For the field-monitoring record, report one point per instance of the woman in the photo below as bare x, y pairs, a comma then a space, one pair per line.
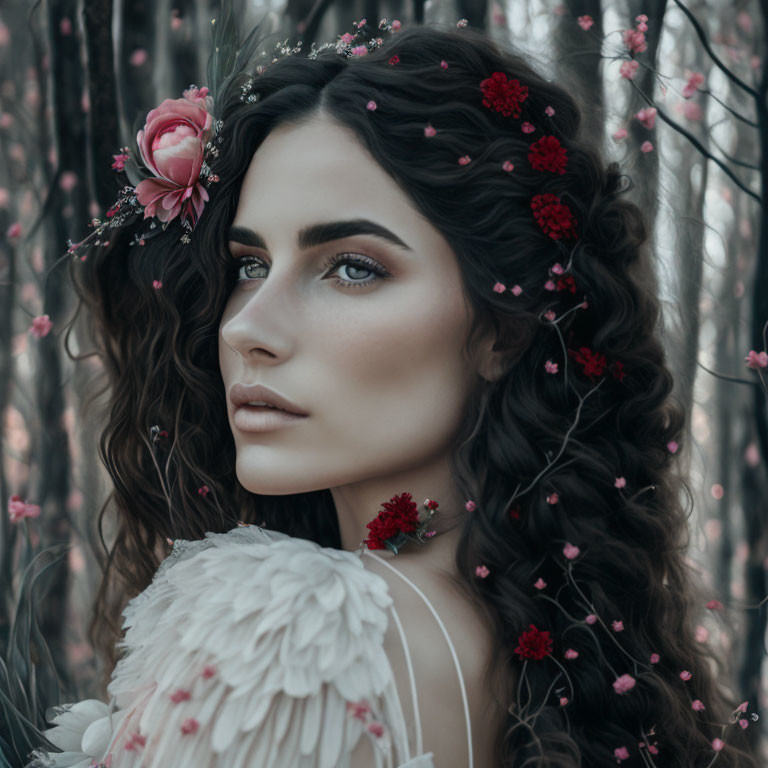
417, 248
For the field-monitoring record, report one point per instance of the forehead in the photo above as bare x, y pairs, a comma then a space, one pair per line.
322, 167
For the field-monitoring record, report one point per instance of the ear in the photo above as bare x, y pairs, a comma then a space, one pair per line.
492, 357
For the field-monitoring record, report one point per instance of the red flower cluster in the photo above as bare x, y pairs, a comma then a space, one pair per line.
554, 218
548, 154
503, 95
594, 363
400, 514
534, 644
566, 283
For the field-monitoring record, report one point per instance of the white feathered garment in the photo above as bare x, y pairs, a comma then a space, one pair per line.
249, 649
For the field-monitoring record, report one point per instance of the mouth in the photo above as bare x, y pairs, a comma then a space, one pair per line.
263, 418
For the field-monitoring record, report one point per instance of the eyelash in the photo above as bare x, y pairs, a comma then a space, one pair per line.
337, 259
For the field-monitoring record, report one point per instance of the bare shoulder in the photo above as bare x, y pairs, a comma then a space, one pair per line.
439, 697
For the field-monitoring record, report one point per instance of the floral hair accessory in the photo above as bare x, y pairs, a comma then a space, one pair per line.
503, 95
399, 518
170, 172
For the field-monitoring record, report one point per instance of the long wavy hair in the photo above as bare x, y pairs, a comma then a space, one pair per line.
539, 453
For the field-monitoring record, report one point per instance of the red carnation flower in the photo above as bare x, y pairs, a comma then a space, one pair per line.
593, 362
400, 514
534, 644
566, 283
547, 154
503, 95
554, 218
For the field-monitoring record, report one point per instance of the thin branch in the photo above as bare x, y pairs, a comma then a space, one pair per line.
722, 376
732, 159
703, 37
743, 119
696, 143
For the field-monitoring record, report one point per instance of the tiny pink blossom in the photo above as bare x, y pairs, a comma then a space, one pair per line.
209, 671
481, 571
717, 744
585, 22
621, 482
507, 166
624, 683
516, 289
138, 57
444, 64
470, 506
655, 658
359, 50
499, 287
550, 315
571, 551
634, 40
743, 706
618, 626
396, 24
157, 284
371, 105
190, 725
590, 618
540, 583
464, 159
14, 230
620, 753
571, 654
743, 723
620, 134
549, 111
41, 326
672, 446
653, 750
692, 111
68, 181
552, 498
563, 701
646, 147
647, 117
18, 509
628, 69
697, 704
376, 728
550, 367
757, 359
180, 695
549, 286
527, 127
429, 131
557, 268
702, 634
203, 491
461, 23
347, 37
685, 675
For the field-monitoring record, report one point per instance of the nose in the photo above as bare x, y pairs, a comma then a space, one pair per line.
261, 319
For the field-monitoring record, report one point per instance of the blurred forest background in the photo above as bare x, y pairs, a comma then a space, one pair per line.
681, 102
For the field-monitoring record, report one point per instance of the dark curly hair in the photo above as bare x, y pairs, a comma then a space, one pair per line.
539, 453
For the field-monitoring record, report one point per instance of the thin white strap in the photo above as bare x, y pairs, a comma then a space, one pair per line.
419, 746
448, 640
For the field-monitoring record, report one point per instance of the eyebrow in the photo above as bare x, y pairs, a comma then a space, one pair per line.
317, 234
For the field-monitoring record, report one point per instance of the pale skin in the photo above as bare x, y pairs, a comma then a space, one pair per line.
379, 367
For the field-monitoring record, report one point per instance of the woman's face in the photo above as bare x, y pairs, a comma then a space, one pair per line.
377, 364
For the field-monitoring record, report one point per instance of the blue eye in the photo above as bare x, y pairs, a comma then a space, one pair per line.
360, 262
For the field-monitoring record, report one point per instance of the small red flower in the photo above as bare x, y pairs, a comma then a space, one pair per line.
394, 60
534, 644
503, 95
593, 362
400, 513
547, 154
554, 218
566, 283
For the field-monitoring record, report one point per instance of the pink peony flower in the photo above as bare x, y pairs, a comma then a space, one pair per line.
481, 571
550, 367
499, 287
371, 105
172, 146
470, 506
359, 50
685, 675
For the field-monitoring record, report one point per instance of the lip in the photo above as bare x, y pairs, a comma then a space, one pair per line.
259, 418
240, 395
